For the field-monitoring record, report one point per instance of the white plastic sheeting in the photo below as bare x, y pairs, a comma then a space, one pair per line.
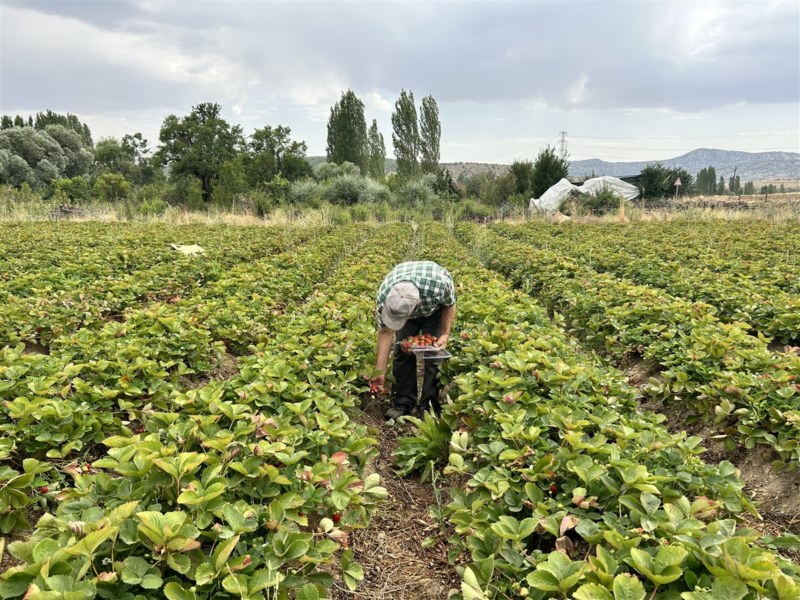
553, 197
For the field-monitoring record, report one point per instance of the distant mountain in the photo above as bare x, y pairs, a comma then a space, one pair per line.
750, 166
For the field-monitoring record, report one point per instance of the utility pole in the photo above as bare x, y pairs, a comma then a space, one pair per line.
562, 145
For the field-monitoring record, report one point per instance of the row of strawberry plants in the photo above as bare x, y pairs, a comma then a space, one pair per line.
718, 368
244, 488
57, 404
764, 251
560, 487
58, 256
55, 309
739, 298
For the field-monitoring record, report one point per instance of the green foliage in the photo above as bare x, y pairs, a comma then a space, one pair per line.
347, 132
416, 192
706, 181
430, 135
657, 181
111, 187
271, 152
152, 207
548, 170
186, 191
199, 144
231, 183
76, 189
344, 189
405, 135
522, 170
599, 202
305, 192
30, 156
376, 152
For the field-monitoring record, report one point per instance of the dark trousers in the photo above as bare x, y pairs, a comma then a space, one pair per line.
404, 367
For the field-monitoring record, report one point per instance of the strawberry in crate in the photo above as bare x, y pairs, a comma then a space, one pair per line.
423, 340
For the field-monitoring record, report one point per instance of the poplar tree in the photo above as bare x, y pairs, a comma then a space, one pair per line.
376, 150
430, 132
347, 132
405, 135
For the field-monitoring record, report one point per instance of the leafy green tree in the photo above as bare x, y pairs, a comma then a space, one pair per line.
734, 185
376, 152
405, 135
548, 169
721, 185
658, 181
199, 144
70, 121
79, 159
33, 156
272, 152
706, 181
444, 186
430, 135
231, 184
749, 188
75, 189
7, 122
522, 170
111, 187
347, 132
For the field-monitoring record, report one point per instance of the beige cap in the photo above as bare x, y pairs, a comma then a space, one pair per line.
403, 298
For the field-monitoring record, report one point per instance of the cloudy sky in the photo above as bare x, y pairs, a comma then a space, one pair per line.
628, 80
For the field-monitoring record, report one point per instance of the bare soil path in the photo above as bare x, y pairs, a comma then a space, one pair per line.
396, 565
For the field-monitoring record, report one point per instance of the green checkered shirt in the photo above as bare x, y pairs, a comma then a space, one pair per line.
434, 283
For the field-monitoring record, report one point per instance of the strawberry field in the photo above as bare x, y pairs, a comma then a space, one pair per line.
194, 427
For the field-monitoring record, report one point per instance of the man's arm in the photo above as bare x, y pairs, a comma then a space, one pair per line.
448, 316
385, 338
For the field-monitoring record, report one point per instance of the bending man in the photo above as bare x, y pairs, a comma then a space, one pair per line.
415, 297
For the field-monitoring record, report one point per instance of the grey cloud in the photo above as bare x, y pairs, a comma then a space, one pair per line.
492, 52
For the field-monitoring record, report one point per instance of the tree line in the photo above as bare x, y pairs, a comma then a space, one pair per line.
202, 159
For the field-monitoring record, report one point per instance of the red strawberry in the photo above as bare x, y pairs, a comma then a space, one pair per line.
553, 488
336, 517
43, 489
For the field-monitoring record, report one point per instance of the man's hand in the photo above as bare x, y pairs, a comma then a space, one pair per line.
376, 384
441, 342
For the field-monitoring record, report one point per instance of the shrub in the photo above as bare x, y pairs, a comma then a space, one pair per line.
599, 202
374, 193
306, 192
111, 187
344, 189
415, 192
359, 213
186, 191
152, 207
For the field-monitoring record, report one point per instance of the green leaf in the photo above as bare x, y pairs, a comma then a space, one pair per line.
265, 578
235, 584
592, 591
351, 571
44, 550
628, 587
470, 588
179, 563
308, 592
650, 502
151, 581
134, 569
174, 591
204, 574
